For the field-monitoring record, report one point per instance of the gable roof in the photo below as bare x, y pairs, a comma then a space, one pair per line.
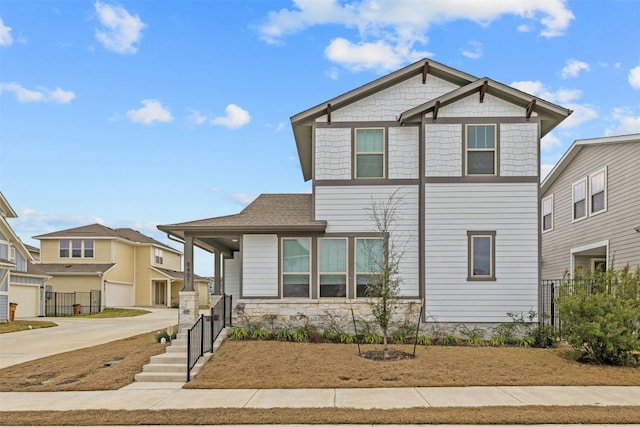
302, 123
177, 275
550, 114
99, 231
5, 208
576, 147
269, 213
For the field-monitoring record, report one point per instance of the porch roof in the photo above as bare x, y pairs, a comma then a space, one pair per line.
269, 213
178, 275
75, 269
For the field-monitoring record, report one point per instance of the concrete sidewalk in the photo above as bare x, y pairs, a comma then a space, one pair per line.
158, 396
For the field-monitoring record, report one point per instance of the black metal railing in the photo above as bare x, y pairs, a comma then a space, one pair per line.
72, 303
202, 335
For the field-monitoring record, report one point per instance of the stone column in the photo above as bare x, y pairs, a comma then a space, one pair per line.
189, 307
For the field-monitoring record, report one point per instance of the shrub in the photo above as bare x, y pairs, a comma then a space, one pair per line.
600, 315
544, 336
347, 338
424, 340
300, 334
261, 334
473, 336
166, 335
239, 333
283, 335
449, 340
327, 335
372, 338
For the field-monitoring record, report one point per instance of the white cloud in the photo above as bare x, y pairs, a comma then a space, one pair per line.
31, 222
396, 27
120, 31
24, 95
627, 122
152, 111
634, 77
196, 118
236, 117
549, 142
243, 198
524, 28
581, 112
280, 127
5, 34
473, 50
573, 68
332, 73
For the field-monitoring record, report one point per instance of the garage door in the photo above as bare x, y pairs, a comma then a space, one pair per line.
27, 299
118, 295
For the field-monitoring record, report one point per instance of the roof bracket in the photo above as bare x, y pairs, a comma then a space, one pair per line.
436, 107
425, 71
328, 114
483, 90
530, 108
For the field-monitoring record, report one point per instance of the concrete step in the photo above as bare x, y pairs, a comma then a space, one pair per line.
169, 358
177, 349
165, 367
161, 377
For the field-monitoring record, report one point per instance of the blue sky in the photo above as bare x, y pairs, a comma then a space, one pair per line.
139, 113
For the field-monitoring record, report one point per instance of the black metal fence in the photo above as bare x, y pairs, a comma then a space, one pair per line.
72, 303
202, 335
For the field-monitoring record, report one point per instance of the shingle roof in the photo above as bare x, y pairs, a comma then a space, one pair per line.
75, 268
178, 274
99, 230
267, 212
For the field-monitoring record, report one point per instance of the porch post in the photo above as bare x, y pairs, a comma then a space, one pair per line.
218, 277
189, 308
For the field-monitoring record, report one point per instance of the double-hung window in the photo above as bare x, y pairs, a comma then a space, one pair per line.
296, 267
480, 150
159, 256
481, 255
369, 155
598, 192
547, 213
76, 248
369, 265
579, 191
332, 267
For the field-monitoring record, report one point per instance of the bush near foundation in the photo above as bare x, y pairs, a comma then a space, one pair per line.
600, 315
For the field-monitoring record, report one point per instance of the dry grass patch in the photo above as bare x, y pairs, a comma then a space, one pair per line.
483, 415
84, 369
23, 325
273, 364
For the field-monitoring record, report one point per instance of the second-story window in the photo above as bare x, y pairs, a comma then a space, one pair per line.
369, 155
597, 192
76, 248
480, 150
547, 213
159, 258
579, 191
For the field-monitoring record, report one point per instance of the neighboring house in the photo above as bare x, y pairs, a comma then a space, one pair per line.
461, 156
21, 282
591, 207
35, 252
129, 268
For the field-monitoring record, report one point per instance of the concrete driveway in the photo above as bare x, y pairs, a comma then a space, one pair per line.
73, 333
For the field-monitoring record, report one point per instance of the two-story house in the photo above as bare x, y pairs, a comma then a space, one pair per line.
126, 266
459, 155
590, 215
21, 282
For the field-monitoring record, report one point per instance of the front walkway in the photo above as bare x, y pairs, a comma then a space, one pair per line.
138, 396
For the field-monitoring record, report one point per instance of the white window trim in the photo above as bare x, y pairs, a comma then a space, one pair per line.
158, 254
297, 273
589, 194
543, 215
71, 249
574, 251
466, 150
383, 152
12, 253
334, 273
586, 200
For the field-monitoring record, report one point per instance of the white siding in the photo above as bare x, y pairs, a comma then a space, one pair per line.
260, 265
511, 210
332, 154
345, 208
443, 149
472, 107
403, 152
519, 149
387, 104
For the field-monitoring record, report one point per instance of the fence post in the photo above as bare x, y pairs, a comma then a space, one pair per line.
188, 354
230, 310
224, 311
213, 330
553, 305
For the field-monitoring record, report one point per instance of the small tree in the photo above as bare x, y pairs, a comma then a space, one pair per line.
384, 284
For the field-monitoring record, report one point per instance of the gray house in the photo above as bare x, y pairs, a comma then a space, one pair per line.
590, 214
460, 153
